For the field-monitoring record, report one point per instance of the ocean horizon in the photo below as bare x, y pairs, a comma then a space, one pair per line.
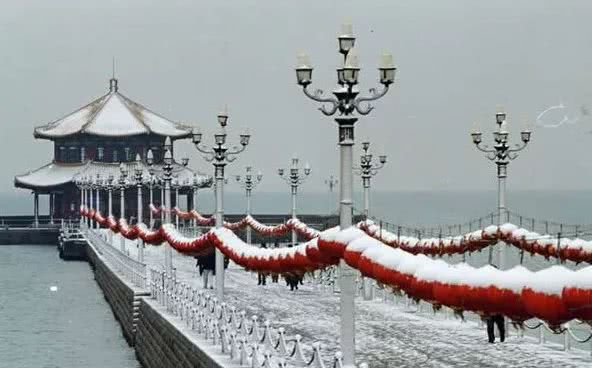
413, 208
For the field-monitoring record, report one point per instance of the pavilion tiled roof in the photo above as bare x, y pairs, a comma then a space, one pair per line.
57, 174
113, 115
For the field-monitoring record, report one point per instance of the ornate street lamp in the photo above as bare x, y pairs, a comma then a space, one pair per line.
249, 183
167, 167
295, 178
80, 186
98, 184
220, 155
110, 187
501, 154
122, 183
332, 183
89, 199
176, 185
138, 171
194, 188
91, 186
346, 102
151, 183
366, 171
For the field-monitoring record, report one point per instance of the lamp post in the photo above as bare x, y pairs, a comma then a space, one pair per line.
138, 171
295, 178
80, 187
110, 186
167, 167
151, 182
249, 183
346, 102
501, 154
175, 186
122, 183
99, 183
91, 186
86, 183
332, 183
366, 171
220, 155
195, 185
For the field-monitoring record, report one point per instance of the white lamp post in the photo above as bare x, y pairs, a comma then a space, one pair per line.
151, 182
98, 184
366, 171
110, 186
122, 183
92, 184
346, 102
249, 183
501, 154
138, 176
295, 178
167, 168
220, 155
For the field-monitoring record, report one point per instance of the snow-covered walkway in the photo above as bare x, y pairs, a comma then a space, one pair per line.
387, 335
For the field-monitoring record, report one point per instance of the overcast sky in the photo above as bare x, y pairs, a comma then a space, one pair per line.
457, 60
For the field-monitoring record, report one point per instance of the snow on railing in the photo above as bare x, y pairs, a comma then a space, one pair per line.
327, 278
128, 267
241, 338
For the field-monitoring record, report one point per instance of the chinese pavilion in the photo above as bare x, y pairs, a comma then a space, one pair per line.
93, 141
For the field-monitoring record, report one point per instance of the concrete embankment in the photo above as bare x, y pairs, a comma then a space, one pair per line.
29, 236
159, 342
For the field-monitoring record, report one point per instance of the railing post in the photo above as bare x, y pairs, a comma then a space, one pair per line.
566, 340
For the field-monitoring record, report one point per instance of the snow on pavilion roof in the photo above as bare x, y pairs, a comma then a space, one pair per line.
113, 115
56, 174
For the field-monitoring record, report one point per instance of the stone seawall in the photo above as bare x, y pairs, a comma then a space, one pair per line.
162, 343
159, 340
121, 295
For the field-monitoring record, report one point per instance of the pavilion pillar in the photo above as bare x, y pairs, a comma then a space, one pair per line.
36, 209
51, 207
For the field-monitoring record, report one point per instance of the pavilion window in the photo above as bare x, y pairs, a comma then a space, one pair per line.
127, 154
82, 154
62, 154
115, 156
100, 153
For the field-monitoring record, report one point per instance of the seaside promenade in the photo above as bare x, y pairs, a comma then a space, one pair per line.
389, 333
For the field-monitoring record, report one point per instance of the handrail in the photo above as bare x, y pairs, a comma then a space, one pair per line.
240, 338
131, 269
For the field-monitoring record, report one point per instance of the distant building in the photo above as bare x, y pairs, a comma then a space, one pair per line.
94, 140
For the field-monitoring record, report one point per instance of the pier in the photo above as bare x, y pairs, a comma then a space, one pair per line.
171, 321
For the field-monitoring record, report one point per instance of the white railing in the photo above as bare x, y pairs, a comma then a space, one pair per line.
125, 265
242, 339
327, 280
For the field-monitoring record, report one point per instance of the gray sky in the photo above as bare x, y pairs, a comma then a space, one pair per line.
185, 59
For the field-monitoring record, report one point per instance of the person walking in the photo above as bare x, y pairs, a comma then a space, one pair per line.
499, 320
207, 264
261, 277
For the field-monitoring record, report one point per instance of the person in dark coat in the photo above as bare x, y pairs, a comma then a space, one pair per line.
496, 319
207, 267
261, 277
274, 276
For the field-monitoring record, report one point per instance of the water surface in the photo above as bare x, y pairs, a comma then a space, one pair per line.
71, 327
